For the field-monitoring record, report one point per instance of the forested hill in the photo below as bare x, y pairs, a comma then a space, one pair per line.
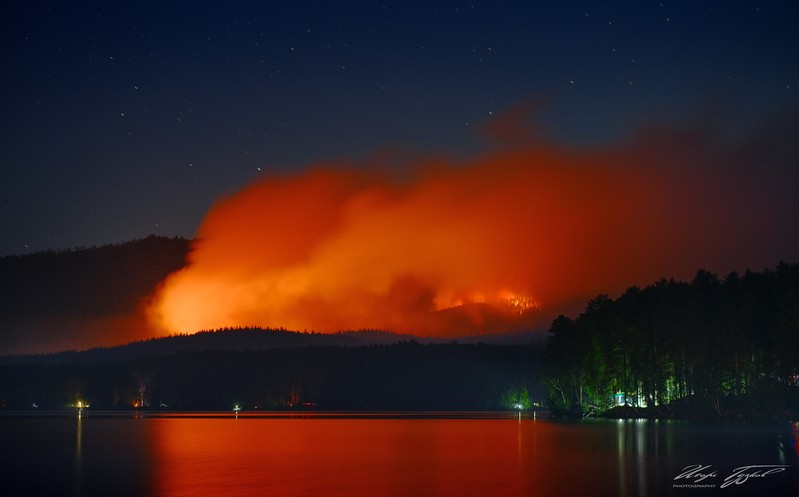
95, 280
225, 339
84, 297
253, 339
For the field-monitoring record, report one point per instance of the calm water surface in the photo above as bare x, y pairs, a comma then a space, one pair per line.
387, 455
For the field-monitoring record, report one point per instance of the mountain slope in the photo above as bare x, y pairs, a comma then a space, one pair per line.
70, 299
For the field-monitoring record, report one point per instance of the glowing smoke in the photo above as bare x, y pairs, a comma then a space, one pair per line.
441, 248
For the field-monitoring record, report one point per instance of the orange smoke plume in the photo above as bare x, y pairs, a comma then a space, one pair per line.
447, 249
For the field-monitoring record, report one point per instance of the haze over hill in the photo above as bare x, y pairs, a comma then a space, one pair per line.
502, 240
85, 298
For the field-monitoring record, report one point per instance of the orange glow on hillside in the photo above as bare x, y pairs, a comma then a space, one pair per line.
438, 248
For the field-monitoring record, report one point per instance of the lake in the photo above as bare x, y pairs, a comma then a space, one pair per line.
399, 454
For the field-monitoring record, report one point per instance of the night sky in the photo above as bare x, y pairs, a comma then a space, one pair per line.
122, 119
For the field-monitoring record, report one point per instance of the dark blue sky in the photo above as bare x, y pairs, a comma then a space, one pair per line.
122, 119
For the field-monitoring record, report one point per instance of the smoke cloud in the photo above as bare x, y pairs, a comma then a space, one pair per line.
501, 242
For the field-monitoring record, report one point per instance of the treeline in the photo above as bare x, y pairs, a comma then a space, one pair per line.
250, 338
705, 348
233, 338
401, 376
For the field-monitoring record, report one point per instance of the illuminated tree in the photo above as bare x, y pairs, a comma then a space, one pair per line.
517, 398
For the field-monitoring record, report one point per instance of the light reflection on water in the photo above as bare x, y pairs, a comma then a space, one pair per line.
79, 455
377, 454
325, 456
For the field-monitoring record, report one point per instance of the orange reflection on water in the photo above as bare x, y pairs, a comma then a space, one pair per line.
355, 457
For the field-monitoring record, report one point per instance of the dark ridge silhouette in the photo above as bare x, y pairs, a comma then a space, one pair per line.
76, 298
232, 339
87, 280
223, 339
